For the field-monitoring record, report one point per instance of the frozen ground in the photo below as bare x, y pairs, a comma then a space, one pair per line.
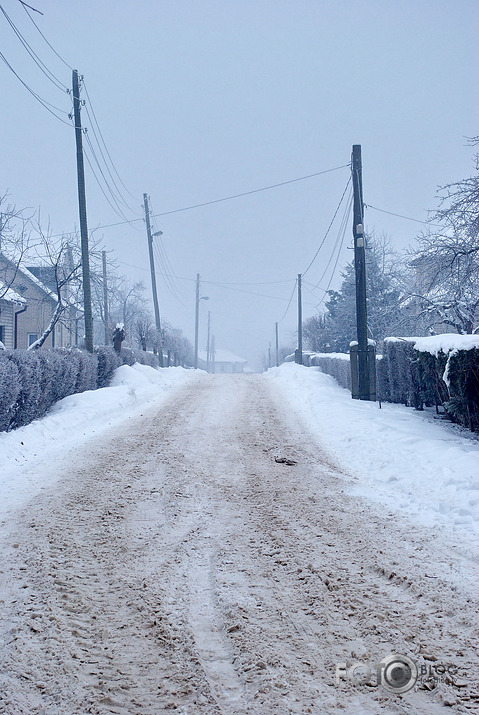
170, 563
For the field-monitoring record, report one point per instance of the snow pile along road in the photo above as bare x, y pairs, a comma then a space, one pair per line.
34, 456
396, 456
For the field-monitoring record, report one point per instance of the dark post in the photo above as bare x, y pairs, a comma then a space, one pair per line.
153, 280
364, 391
85, 255
197, 318
208, 361
299, 352
106, 316
277, 345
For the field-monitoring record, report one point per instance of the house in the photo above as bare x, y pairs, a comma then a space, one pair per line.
222, 361
11, 306
27, 306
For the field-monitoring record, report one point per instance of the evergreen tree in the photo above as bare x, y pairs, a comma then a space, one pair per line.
333, 330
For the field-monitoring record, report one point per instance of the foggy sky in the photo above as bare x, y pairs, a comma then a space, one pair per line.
201, 100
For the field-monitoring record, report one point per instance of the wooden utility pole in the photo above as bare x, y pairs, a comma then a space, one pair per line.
85, 254
364, 391
208, 360
213, 354
197, 318
156, 306
299, 352
277, 344
106, 315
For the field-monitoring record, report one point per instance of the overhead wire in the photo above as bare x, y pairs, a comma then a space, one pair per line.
339, 242
40, 64
289, 302
41, 33
105, 163
408, 218
116, 208
49, 107
164, 261
104, 143
114, 191
225, 198
328, 229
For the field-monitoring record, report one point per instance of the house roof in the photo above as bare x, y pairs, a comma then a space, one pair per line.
10, 295
222, 356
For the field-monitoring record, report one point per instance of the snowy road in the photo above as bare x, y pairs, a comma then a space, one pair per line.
179, 567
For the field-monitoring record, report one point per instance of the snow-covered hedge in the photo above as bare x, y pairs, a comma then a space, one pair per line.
437, 370
441, 370
335, 364
31, 381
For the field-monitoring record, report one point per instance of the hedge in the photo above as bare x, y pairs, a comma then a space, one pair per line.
335, 364
441, 370
31, 381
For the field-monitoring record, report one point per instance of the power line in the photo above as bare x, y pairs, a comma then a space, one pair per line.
41, 65
118, 209
253, 191
289, 302
105, 163
328, 229
340, 242
105, 146
39, 99
408, 218
25, 6
226, 198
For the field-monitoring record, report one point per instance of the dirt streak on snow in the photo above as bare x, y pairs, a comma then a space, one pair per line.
179, 567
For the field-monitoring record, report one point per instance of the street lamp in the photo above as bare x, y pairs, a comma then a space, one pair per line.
197, 316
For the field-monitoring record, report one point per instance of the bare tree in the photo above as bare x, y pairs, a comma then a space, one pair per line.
15, 240
446, 261
59, 270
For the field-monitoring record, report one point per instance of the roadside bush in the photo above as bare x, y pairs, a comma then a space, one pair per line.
108, 361
9, 390
335, 364
31, 381
26, 406
436, 370
130, 355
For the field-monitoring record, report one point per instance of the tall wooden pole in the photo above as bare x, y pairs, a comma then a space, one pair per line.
85, 255
208, 361
299, 357
360, 273
197, 318
156, 306
277, 344
106, 316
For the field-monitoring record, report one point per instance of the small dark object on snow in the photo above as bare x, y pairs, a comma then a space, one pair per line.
285, 460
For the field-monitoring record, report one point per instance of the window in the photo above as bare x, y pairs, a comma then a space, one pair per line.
31, 338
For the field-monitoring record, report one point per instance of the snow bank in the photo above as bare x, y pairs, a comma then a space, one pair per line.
446, 342
30, 456
395, 456
337, 356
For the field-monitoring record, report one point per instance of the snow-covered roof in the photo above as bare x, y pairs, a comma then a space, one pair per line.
10, 295
222, 356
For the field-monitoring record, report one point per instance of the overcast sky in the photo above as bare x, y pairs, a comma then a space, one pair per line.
203, 99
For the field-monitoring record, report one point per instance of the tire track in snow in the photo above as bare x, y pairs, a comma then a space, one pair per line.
180, 568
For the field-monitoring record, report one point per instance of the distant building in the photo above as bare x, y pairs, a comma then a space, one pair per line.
222, 361
26, 308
